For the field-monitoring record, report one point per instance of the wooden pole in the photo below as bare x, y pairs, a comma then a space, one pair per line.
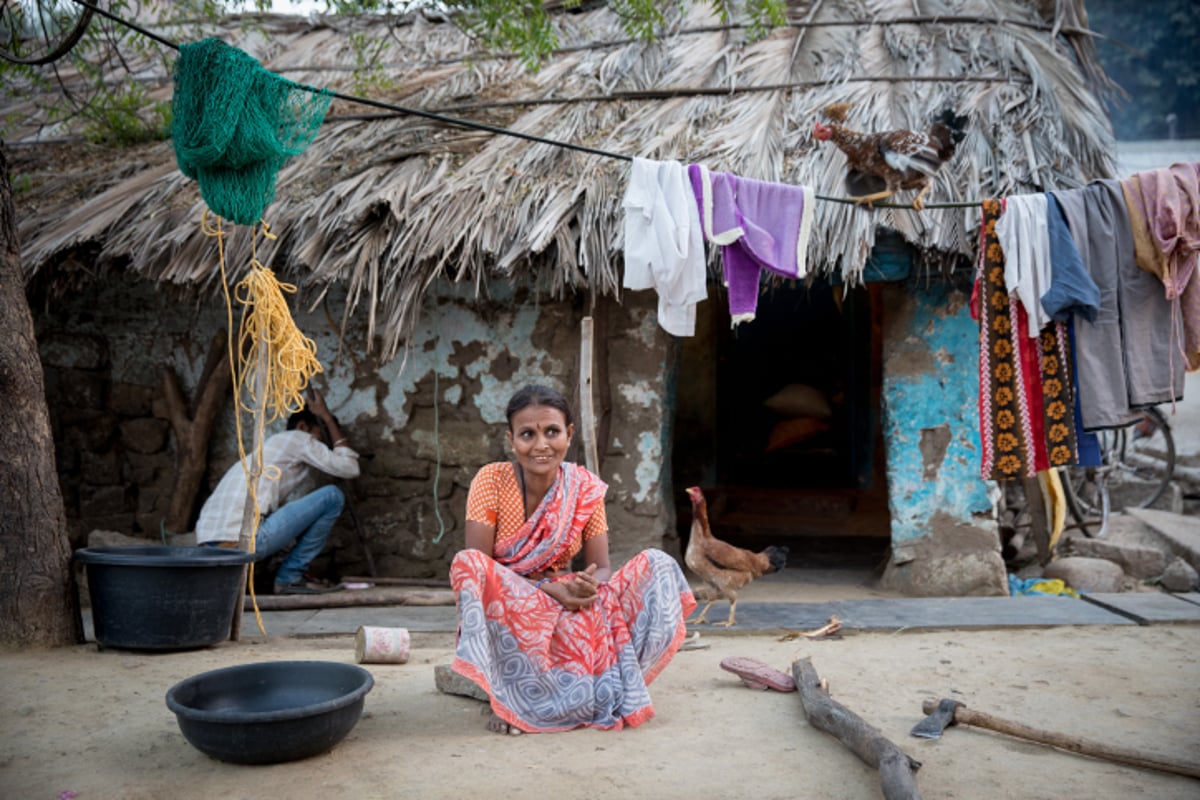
256, 468
587, 410
1039, 518
897, 769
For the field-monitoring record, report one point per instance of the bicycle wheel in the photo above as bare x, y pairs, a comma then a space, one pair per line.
1144, 462
40, 31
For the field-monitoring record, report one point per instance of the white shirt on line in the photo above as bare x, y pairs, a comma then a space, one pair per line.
664, 245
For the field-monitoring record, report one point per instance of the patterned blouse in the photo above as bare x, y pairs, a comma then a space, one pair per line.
495, 500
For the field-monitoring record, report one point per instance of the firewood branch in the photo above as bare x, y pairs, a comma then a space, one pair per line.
897, 770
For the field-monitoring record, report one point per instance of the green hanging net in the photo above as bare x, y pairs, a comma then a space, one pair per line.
236, 123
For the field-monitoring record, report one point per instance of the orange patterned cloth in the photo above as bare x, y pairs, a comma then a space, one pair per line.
1026, 395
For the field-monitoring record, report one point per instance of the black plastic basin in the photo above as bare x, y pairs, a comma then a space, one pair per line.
271, 711
163, 598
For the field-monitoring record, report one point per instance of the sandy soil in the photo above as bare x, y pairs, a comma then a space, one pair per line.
95, 723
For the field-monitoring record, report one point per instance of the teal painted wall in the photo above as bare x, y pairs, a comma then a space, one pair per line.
930, 392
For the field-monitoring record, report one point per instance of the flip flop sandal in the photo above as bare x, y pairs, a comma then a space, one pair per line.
757, 675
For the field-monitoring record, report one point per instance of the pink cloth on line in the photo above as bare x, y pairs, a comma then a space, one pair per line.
1168, 200
758, 225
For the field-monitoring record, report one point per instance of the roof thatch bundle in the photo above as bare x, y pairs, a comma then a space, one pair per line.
386, 203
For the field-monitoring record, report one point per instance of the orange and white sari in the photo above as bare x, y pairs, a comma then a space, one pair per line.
546, 668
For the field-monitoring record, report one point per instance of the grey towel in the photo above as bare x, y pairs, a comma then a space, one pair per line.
1122, 356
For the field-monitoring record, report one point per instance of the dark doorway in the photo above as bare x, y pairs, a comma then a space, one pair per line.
778, 421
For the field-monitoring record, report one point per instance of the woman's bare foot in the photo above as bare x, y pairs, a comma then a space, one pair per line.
496, 724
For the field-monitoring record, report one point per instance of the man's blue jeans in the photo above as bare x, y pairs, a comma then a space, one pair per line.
307, 521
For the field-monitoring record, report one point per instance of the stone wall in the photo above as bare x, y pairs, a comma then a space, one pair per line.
114, 461
944, 537
423, 422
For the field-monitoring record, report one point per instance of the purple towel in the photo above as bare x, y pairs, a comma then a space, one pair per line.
758, 226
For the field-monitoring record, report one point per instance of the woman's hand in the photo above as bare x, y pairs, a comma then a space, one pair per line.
576, 591
583, 584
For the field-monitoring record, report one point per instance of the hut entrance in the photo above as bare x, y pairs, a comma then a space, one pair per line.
778, 422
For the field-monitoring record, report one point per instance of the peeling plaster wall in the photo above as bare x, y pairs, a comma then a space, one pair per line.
943, 541
423, 423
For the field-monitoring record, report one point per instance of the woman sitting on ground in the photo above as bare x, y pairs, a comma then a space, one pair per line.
556, 649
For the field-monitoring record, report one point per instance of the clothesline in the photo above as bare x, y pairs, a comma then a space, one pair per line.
481, 126
1088, 305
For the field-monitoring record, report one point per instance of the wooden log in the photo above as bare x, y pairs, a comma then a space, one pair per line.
436, 583
350, 598
897, 769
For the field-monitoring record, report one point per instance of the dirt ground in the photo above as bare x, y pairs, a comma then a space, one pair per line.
94, 722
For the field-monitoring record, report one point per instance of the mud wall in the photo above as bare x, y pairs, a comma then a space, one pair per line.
423, 422
944, 540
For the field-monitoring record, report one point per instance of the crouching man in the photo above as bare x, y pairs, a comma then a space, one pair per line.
289, 459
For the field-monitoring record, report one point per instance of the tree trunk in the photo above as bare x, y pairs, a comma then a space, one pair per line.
38, 600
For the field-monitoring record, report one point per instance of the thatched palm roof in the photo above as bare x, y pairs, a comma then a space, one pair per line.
387, 203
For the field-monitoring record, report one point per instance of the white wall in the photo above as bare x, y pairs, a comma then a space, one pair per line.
1147, 155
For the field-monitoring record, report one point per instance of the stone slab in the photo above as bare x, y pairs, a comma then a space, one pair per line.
332, 621
924, 613
1148, 607
781, 617
860, 615
920, 613
1181, 534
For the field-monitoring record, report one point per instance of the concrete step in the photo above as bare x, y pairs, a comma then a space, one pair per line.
1178, 533
1128, 494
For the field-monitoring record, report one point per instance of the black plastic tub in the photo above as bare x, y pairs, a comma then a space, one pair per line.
271, 711
163, 598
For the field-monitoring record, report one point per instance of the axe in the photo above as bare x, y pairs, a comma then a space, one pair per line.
942, 714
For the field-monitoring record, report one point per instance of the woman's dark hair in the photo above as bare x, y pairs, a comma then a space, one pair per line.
535, 395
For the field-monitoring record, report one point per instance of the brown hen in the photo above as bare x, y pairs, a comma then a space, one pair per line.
723, 567
880, 164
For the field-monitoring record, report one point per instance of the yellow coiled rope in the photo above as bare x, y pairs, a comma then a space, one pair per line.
268, 343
